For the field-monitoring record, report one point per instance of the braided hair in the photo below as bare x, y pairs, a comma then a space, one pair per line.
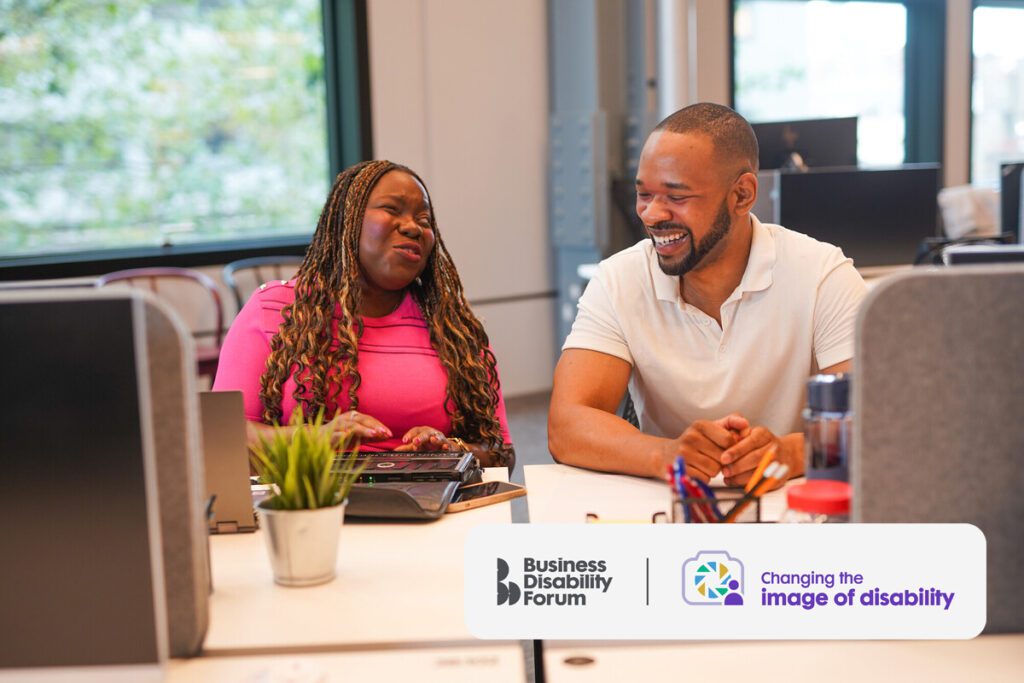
327, 289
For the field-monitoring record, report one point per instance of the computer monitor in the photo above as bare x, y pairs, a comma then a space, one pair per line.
819, 143
82, 557
1010, 178
877, 217
972, 254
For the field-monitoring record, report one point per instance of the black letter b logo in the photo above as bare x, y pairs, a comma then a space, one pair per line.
507, 591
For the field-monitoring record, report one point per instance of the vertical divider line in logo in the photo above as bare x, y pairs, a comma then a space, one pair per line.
647, 582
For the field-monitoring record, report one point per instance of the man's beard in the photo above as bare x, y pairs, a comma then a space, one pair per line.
719, 229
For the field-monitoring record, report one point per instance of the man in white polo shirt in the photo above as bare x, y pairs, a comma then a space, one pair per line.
714, 323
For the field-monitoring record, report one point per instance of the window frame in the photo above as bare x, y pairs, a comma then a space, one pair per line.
923, 94
349, 139
975, 4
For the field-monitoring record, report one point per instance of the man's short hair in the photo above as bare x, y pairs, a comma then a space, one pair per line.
732, 136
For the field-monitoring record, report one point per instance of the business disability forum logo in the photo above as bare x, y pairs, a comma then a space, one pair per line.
713, 577
555, 583
507, 591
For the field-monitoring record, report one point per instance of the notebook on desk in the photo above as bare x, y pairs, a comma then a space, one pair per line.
226, 459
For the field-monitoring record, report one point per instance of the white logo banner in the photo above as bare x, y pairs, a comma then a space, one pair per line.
725, 581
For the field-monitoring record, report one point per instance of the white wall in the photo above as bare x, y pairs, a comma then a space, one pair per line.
693, 53
459, 93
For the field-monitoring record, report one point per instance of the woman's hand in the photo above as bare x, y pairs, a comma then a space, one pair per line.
363, 426
424, 439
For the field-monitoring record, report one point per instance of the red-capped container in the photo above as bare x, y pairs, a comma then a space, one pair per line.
818, 501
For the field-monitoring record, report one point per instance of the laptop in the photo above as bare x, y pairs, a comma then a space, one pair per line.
226, 458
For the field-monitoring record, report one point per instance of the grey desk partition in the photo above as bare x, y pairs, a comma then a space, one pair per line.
179, 465
939, 401
96, 377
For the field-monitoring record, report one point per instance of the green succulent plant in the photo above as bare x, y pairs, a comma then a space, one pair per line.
302, 465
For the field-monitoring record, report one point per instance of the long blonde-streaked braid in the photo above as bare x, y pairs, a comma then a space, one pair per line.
327, 289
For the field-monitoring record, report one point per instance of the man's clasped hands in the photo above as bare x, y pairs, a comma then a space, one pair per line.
730, 445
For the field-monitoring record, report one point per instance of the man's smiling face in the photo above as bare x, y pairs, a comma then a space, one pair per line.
682, 199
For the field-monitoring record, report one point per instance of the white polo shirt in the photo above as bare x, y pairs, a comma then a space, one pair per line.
792, 314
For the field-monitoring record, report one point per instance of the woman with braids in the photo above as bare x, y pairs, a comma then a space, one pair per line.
375, 329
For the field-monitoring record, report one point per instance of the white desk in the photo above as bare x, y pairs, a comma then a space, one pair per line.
493, 663
559, 493
396, 584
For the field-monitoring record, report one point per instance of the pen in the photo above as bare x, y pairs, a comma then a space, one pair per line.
679, 469
702, 512
679, 513
709, 493
678, 472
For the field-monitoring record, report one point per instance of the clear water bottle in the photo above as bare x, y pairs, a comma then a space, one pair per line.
828, 427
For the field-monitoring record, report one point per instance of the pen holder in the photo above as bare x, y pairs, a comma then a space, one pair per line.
714, 510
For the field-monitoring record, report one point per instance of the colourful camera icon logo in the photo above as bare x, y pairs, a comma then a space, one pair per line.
713, 577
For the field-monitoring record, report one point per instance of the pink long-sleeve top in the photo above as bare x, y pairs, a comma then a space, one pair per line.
403, 382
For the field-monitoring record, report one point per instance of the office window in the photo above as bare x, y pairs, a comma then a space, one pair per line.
142, 124
997, 102
818, 59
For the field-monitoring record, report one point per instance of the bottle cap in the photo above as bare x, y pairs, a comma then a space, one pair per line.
829, 393
820, 496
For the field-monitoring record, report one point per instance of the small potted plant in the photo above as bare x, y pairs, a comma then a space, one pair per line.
302, 518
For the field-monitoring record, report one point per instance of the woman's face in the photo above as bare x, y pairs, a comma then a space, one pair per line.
397, 237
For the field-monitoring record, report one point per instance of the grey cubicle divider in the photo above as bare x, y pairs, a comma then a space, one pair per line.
939, 413
180, 475
167, 347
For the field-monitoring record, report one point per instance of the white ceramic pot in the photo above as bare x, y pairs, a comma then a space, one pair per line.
303, 544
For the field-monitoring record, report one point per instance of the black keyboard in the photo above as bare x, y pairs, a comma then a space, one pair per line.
384, 466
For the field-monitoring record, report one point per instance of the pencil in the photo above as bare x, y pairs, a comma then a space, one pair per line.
774, 473
768, 456
768, 482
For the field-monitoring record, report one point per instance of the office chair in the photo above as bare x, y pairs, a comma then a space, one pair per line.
627, 411
255, 271
178, 287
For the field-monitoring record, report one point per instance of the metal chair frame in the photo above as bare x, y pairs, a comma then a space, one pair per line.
206, 358
261, 265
